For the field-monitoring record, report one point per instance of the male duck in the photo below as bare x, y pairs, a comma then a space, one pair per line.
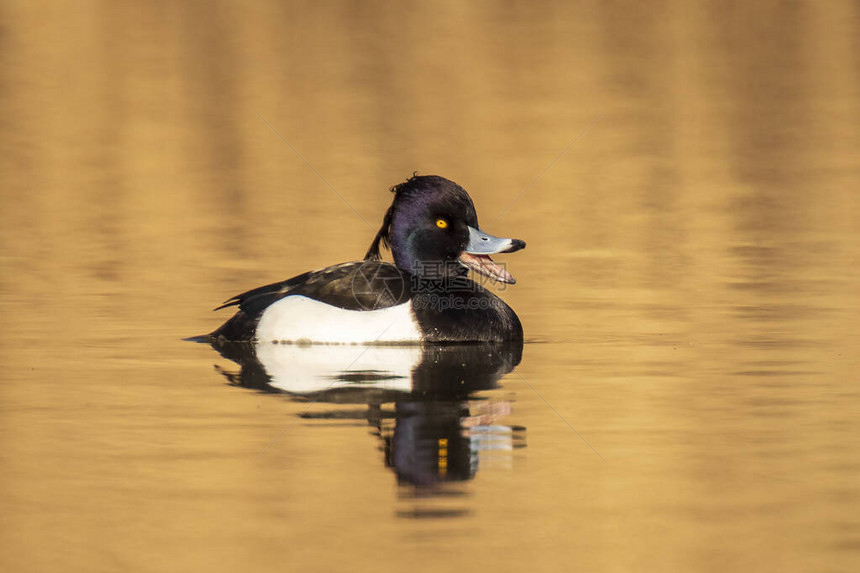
425, 296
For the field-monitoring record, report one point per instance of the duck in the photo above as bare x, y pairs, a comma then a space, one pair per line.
424, 296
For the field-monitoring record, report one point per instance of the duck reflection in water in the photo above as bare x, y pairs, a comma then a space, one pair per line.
420, 400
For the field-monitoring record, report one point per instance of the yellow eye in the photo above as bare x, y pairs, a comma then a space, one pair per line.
441, 223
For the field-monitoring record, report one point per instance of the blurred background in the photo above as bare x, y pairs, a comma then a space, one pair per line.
686, 177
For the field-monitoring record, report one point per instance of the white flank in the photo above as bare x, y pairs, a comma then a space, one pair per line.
316, 368
301, 319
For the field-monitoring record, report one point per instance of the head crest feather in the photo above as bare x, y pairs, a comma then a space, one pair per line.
383, 236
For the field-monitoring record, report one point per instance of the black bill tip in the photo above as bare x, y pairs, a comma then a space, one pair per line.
516, 245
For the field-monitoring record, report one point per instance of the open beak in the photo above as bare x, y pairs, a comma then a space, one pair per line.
476, 255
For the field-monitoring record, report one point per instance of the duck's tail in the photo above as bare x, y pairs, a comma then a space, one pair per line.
202, 339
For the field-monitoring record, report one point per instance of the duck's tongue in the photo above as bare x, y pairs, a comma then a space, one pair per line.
484, 265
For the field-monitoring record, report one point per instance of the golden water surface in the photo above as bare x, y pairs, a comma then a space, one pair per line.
686, 177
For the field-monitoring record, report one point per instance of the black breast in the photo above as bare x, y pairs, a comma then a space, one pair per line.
464, 311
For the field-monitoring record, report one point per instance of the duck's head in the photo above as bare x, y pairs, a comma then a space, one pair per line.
432, 224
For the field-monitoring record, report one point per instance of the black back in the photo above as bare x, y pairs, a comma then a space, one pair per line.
365, 285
